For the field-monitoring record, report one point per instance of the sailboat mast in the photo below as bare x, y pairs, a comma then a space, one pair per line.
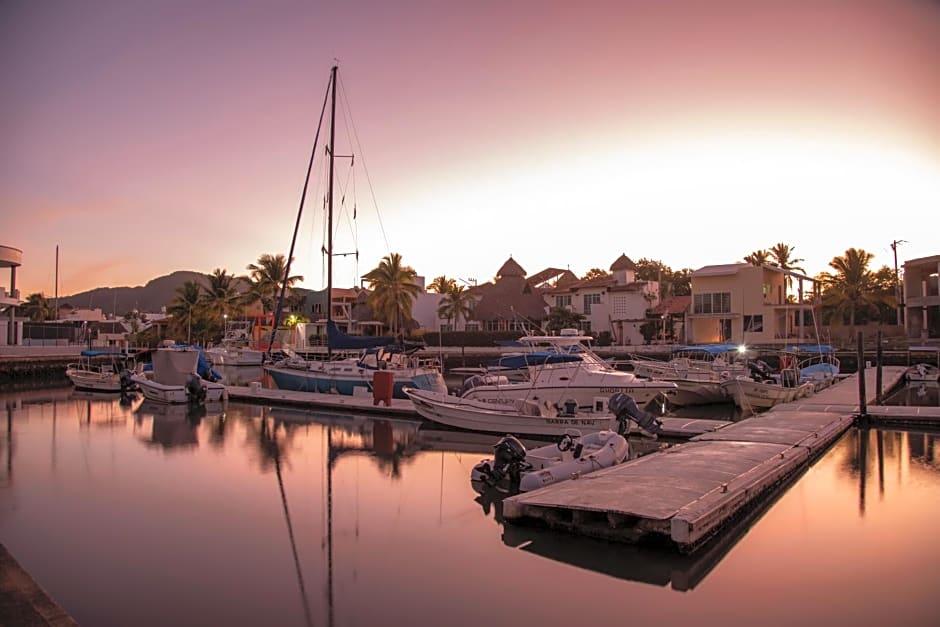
329, 215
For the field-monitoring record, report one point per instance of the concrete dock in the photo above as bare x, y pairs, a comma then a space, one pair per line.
686, 494
23, 601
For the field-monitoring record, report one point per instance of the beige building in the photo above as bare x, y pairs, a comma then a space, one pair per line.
748, 304
922, 298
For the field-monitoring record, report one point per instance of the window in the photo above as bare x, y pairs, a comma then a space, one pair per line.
591, 299
317, 308
472, 326
621, 306
713, 303
753, 324
563, 301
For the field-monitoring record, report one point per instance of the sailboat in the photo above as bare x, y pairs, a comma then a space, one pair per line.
353, 375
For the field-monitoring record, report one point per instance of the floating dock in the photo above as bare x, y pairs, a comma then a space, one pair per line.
685, 494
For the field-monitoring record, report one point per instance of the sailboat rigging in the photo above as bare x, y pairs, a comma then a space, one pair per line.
347, 375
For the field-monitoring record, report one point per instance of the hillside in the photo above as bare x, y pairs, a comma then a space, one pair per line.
149, 298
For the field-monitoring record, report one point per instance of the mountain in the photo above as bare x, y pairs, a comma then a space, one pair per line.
149, 298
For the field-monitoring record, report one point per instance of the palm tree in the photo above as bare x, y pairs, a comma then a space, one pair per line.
759, 257
185, 307
852, 287
782, 258
442, 284
37, 307
457, 302
221, 298
266, 278
393, 290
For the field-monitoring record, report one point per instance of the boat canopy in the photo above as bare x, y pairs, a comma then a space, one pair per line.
711, 349
537, 358
100, 353
339, 340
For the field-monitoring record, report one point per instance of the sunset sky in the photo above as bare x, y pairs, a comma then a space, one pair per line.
145, 137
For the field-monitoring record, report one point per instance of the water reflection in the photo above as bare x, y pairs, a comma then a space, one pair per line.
290, 517
916, 394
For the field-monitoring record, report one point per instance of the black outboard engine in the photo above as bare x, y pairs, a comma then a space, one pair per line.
625, 408
194, 390
760, 370
126, 383
508, 460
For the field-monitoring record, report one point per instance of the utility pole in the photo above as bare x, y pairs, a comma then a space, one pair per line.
898, 292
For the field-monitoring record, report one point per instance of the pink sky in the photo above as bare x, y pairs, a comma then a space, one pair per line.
147, 137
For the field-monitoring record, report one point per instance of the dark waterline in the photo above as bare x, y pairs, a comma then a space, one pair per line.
148, 515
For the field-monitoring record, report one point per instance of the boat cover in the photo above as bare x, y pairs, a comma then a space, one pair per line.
339, 340
537, 358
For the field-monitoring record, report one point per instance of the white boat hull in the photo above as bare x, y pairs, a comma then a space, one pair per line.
697, 393
750, 395
162, 393
94, 381
559, 384
503, 418
234, 356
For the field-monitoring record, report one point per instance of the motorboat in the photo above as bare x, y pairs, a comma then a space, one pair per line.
922, 373
175, 377
696, 370
575, 455
563, 370
527, 417
93, 374
234, 349
763, 388
231, 354
815, 363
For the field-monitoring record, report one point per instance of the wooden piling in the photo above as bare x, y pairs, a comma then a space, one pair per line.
862, 397
879, 388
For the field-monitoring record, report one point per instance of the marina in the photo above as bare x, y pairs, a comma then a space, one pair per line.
311, 499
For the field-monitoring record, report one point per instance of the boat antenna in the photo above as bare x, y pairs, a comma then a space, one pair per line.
300, 209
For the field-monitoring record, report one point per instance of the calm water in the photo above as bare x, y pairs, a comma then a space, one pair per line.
144, 515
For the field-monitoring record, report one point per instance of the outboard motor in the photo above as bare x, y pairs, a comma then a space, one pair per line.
126, 383
508, 459
194, 390
625, 408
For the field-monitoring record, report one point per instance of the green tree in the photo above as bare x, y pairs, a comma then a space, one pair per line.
221, 298
759, 257
852, 289
37, 308
442, 284
185, 310
457, 302
266, 277
672, 283
783, 258
393, 290
595, 273
562, 318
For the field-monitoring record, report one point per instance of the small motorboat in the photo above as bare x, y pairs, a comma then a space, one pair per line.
91, 375
572, 457
922, 373
175, 378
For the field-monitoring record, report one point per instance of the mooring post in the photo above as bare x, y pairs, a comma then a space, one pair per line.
878, 377
862, 405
